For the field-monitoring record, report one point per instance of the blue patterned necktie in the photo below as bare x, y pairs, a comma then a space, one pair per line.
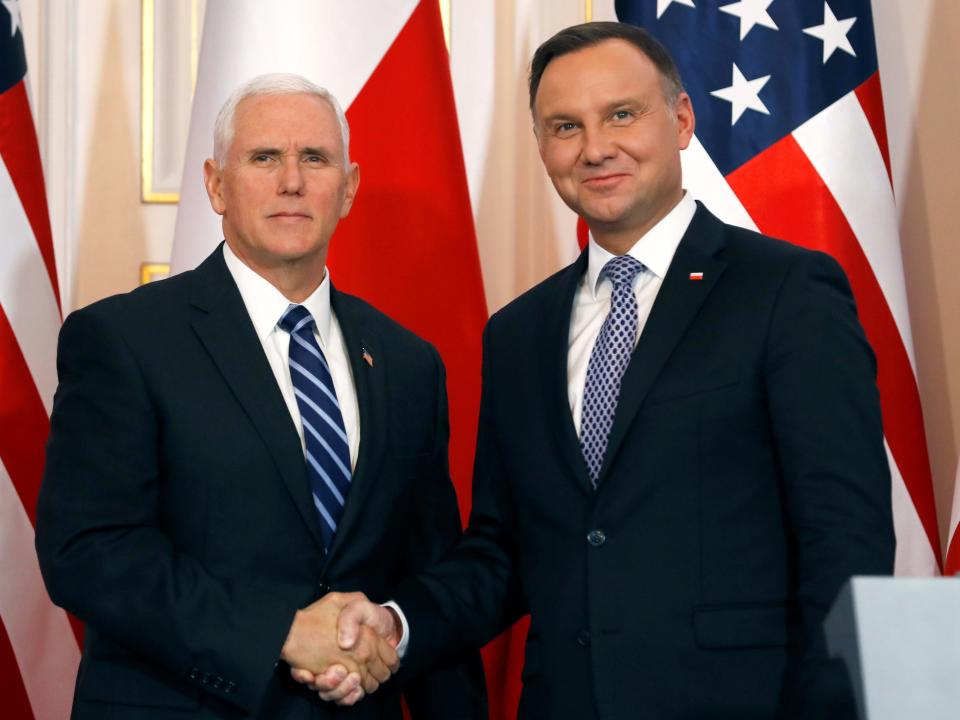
327, 449
608, 361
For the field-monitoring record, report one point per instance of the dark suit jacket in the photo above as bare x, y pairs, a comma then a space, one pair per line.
175, 517
745, 479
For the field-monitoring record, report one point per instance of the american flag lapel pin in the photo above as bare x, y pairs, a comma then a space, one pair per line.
696, 276
367, 357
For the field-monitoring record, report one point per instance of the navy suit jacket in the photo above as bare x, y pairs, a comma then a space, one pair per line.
175, 516
744, 480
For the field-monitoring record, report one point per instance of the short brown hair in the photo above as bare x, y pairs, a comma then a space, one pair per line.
586, 35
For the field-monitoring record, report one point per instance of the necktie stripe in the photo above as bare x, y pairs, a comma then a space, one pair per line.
331, 486
326, 446
315, 351
305, 321
312, 378
327, 456
320, 413
324, 514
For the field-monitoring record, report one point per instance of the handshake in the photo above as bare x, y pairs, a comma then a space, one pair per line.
343, 646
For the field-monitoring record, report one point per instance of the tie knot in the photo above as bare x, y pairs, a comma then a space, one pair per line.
622, 270
295, 318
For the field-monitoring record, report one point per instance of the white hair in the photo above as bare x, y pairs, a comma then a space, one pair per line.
272, 84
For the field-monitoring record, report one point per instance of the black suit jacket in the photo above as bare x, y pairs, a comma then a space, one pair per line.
745, 479
175, 516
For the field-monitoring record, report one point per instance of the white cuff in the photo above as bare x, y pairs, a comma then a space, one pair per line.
405, 628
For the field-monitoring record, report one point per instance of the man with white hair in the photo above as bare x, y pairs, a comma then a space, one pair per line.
231, 448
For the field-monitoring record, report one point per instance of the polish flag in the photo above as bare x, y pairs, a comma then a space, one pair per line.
408, 245
38, 651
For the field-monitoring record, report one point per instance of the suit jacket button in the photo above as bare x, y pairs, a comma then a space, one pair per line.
596, 538
583, 638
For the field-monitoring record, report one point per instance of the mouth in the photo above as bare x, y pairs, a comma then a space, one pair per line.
602, 180
288, 216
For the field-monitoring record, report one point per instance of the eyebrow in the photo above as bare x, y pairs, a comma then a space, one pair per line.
629, 102
277, 151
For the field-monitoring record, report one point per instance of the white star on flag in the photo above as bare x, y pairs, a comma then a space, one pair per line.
662, 5
14, 10
743, 94
833, 33
751, 12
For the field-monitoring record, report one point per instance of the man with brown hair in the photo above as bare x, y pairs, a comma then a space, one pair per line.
680, 455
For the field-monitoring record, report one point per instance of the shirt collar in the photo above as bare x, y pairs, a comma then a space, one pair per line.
265, 304
655, 249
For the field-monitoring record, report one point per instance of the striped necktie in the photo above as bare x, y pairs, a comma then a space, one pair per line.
608, 361
327, 448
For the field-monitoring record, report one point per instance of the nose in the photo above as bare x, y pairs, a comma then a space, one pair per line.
598, 145
291, 176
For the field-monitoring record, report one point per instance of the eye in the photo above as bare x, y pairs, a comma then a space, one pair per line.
564, 128
262, 159
314, 160
622, 115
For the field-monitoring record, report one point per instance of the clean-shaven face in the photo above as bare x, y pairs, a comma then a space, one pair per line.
609, 140
284, 185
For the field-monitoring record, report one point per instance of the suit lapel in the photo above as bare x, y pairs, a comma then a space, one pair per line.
677, 304
369, 380
555, 342
224, 328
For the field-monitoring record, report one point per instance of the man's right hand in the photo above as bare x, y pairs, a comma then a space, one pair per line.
359, 619
312, 647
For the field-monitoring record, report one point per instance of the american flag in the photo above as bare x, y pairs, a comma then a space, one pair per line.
952, 564
791, 141
38, 650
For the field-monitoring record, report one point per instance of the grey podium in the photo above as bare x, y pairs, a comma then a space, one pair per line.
900, 640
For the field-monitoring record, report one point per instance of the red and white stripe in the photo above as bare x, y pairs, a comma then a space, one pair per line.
337, 47
827, 186
952, 564
387, 65
38, 650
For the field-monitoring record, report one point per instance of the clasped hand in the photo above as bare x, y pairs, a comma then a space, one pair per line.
343, 647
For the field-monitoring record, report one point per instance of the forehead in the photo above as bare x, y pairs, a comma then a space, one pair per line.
298, 118
610, 70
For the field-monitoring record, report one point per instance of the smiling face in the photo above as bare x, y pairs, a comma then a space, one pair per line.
609, 140
284, 184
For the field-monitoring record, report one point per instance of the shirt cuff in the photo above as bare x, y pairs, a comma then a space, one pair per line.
405, 628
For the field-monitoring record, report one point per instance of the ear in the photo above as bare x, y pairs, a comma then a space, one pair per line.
213, 182
686, 121
352, 184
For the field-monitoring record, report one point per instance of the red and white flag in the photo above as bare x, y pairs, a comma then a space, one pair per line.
408, 245
952, 564
38, 650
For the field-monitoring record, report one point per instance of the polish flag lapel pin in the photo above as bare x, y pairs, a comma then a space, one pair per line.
367, 357
696, 276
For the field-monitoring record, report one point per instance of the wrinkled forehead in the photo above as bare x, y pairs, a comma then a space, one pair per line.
286, 119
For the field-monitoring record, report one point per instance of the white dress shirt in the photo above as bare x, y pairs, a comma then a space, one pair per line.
591, 305
265, 306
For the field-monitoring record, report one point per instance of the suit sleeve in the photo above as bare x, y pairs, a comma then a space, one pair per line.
454, 687
102, 550
472, 595
825, 416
